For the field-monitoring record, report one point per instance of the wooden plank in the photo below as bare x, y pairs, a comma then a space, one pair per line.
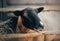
20, 35
46, 9
40, 38
30, 36
52, 37
27, 34
26, 39
37, 4
7, 10
36, 38
50, 32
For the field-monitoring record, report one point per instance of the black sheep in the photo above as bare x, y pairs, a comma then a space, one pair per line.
29, 18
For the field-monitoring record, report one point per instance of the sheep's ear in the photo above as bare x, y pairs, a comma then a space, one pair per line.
39, 9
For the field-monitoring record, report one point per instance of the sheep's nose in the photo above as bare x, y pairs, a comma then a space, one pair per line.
41, 25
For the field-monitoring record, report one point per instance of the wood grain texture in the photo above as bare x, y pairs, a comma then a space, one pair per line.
52, 37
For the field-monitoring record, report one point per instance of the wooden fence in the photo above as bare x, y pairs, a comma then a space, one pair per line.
41, 36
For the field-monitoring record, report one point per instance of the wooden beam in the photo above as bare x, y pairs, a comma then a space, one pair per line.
23, 35
50, 32
10, 10
46, 9
36, 4
20, 35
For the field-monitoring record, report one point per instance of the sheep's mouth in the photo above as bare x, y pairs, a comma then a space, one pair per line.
38, 30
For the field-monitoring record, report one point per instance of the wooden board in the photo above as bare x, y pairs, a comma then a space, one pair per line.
32, 37
23, 37
52, 37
